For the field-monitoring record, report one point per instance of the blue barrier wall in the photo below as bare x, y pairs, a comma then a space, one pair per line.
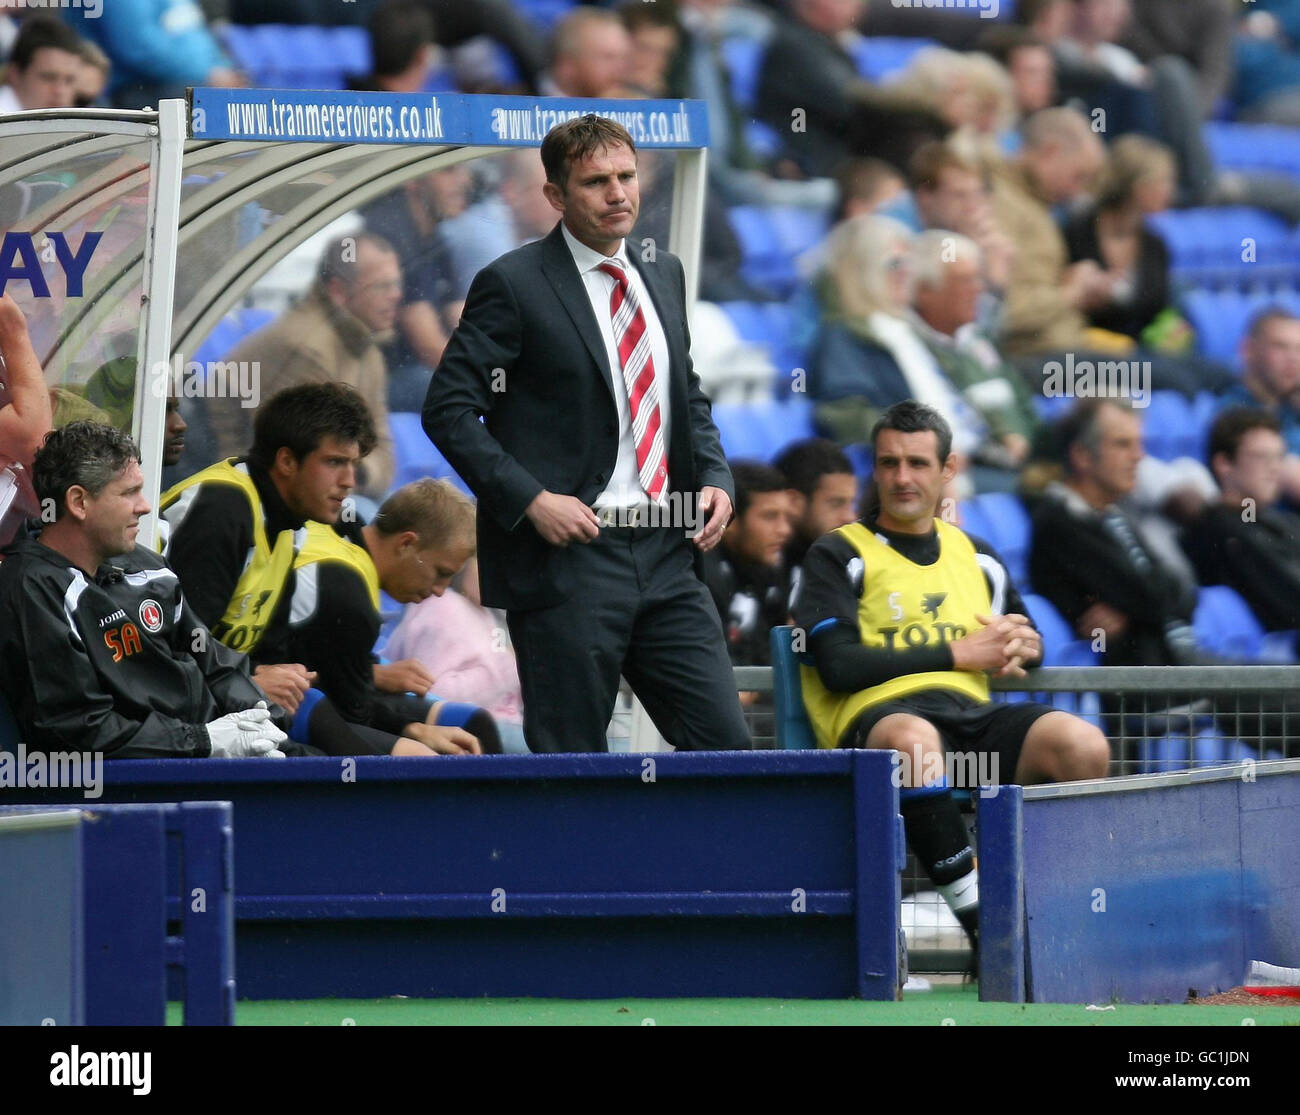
1139, 889
752, 874
117, 879
42, 962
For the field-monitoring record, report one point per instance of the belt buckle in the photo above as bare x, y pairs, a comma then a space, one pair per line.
633, 517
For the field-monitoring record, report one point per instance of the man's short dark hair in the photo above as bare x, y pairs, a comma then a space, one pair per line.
859, 179
911, 417
1000, 43
84, 454
577, 139
300, 418
636, 14
339, 260
1231, 427
753, 478
399, 30
926, 167
804, 463
1081, 425
41, 32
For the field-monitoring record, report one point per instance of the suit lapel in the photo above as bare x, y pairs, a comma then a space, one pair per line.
562, 273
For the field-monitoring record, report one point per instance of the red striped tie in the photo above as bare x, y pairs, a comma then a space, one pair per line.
633, 340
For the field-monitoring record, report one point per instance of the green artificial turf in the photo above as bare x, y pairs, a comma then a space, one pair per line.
959, 1003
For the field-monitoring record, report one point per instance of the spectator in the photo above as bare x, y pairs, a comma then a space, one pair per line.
810, 93
417, 542
330, 337
415, 220
104, 657
947, 283
735, 171
25, 418
92, 76
590, 54
821, 494
401, 47
867, 185
1270, 381
1046, 297
1112, 232
654, 39
456, 23
951, 193
43, 67
1199, 31
1028, 61
466, 648
1091, 559
173, 443
1267, 85
158, 47
869, 356
1245, 540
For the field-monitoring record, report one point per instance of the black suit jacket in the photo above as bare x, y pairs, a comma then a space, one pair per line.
528, 357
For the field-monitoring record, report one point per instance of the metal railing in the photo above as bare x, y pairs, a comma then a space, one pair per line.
1158, 719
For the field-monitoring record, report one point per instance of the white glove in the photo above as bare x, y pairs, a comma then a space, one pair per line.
244, 734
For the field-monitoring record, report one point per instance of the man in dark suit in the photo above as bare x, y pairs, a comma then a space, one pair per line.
597, 464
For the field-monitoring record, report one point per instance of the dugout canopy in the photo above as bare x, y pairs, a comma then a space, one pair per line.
131, 238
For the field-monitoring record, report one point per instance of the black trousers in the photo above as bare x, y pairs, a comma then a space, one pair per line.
639, 611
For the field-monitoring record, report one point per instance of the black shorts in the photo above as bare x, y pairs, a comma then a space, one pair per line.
964, 724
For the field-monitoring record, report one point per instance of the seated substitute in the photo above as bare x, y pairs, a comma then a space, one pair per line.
905, 615
419, 540
98, 646
238, 526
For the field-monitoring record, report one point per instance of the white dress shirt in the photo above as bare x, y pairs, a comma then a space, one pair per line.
624, 487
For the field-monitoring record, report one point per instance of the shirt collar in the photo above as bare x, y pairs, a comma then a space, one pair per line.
588, 259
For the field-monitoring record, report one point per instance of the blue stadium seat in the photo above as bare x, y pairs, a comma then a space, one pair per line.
545, 12
880, 57
1009, 527
764, 141
1061, 647
1204, 407
229, 331
1254, 147
792, 420
743, 58
1207, 245
415, 454
750, 321
793, 732
863, 461
1225, 625
762, 262
975, 521
1219, 318
744, 431
1165, 425
350, 47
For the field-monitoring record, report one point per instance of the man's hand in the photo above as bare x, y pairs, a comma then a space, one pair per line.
245, 734
285, 684
1102, 616
1002, 644
563, 519
443, 739
12, 319
716, 504
406, 676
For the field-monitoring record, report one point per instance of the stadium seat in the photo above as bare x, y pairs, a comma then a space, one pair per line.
863, 461
1167, 425
744, 431
764, 141
1254, 147
793, 732
881, 58
545, 12
229, 331
1208, 245
743, 58
1204, 407
1061, 647
416, 455
791, 420
1008, 526
1219, 318
1225, 625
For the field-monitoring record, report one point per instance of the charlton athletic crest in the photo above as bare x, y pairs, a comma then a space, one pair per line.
151, 615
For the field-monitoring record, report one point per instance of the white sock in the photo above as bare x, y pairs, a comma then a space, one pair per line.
963, 893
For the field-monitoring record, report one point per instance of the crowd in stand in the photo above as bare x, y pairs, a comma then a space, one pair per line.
986, 215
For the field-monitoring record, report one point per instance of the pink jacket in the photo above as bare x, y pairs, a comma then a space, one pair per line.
459, 643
